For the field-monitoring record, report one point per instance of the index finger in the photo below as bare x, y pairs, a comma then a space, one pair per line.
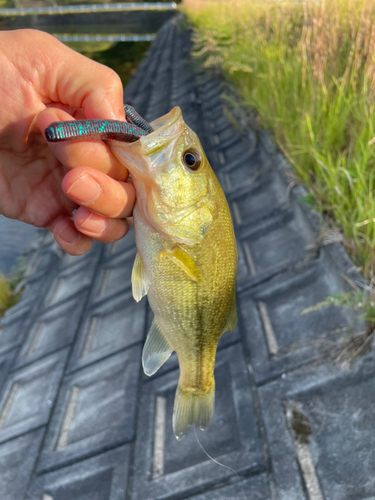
91, 153
83, 83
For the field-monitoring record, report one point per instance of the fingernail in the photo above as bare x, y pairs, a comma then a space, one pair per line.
69, 234
95, 224
85, 189
116, 112
117, 115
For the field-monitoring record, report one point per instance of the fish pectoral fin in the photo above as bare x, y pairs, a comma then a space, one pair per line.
183, 260
156, 350
232, 318
140, 282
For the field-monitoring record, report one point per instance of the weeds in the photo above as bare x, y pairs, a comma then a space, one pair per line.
7, 298
308, 69
10, 288
358, 301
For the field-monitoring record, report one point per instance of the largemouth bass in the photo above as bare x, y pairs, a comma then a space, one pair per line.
186, 260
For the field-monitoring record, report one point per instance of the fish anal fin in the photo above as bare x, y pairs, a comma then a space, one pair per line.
182, 259
139, 279
156, 350
192, 408
232, 318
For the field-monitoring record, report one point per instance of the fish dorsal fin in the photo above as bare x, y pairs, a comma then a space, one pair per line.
180, 257
232, 318
156, 350
140, 282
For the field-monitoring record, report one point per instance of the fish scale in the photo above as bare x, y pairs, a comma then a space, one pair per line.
190, 315
186, 258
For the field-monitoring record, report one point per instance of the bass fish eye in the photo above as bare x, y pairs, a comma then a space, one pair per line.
191, 159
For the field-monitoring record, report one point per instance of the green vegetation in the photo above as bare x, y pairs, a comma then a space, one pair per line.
5, 295
308, 69
7, 298
352, 300
10, 292
351, 344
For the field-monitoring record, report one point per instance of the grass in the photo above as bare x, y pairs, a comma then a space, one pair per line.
7, 299
308, 69
11, 286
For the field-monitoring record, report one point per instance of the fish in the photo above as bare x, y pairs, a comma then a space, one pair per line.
186, 261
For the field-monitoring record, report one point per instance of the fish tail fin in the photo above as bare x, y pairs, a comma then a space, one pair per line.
192, 407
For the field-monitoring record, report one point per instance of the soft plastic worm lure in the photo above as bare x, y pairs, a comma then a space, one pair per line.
133, 117
114, 130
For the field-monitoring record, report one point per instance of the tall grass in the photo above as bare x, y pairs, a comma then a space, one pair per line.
308, 69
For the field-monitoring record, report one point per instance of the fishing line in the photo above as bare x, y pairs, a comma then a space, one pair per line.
221, 465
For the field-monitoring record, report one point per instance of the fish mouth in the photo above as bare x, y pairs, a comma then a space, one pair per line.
166, 129
164, 122
132, 155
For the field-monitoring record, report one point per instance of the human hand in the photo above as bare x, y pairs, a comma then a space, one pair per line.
43, 81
